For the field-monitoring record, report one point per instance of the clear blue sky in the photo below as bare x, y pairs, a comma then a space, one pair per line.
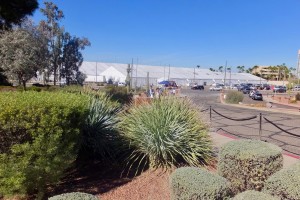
186, 33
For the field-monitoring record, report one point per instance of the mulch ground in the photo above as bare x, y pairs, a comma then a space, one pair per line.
107, 183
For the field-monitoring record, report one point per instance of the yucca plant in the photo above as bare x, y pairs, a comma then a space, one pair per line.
99, 134
164, 133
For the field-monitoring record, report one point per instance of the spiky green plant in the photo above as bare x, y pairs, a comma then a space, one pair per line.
99, 133
166, 132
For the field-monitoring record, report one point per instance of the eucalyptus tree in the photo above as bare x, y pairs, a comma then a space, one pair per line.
22, 53
14, 11
54, 33
72, 57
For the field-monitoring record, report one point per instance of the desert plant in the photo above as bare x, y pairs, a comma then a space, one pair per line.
254, 195
285, 183
234, 97
74, 196
100, 137
39, 133
166, 132
248, 163
196, 183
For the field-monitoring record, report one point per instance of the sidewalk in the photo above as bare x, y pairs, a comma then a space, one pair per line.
220, 139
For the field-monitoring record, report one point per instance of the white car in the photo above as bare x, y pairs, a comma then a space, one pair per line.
121, 84
216, 88
296, 88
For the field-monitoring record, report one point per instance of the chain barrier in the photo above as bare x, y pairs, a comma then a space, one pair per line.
204, 110
242, 119
281, 128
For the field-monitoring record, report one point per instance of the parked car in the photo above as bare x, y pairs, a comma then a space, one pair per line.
216, 88
246, 90
252, 92
121, 84
265, 87
197, 87
257, 96
279, 89
296, 88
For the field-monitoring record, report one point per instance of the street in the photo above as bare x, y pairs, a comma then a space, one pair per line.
249, 128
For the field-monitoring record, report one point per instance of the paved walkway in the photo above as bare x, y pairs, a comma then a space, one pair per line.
219, 139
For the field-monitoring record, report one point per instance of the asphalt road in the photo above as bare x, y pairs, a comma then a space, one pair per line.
249, 128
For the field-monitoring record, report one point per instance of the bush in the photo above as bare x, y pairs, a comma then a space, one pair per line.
254, 195
74, 196
118, 94
100, 138
39, 133
196, 183
285, 183
234, 97
165, 133
248, 163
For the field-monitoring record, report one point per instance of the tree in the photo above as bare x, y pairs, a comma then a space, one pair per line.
72, 57
212, 69
221, 69
22, 54
241, 69
13, 11
54, 33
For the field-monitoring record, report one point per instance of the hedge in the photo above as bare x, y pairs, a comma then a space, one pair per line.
285, 183
196, 183
74, 196
247, 164
39, 133
254, 195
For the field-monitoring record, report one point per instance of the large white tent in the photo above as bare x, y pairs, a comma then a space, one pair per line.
99, 72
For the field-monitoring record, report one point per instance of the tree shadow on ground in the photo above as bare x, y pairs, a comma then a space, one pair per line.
94, 177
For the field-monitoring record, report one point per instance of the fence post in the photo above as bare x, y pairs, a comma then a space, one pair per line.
260, 128
210, 113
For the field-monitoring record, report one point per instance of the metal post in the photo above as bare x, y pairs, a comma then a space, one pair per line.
210, 113
260, 128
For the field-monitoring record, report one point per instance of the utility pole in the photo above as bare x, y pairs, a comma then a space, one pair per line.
298, 66
164, 72
225, 73
96, 72
137, 62
194, 74
131, 80
169, 73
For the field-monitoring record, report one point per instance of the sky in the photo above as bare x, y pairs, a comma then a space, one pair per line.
185, 33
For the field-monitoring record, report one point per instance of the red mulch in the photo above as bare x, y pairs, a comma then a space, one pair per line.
105, 181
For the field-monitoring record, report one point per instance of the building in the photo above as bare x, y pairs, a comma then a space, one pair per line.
116, 72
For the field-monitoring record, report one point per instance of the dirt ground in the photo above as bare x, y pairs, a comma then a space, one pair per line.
107, 183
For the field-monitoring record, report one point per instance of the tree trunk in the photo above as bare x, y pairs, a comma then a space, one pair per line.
24, 85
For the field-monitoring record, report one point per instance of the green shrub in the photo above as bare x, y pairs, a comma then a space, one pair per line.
165, 133
285, 183
74, 196
39, 132
248, 163
254, 195
118, 94
234, 97
196, 183
100, 138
